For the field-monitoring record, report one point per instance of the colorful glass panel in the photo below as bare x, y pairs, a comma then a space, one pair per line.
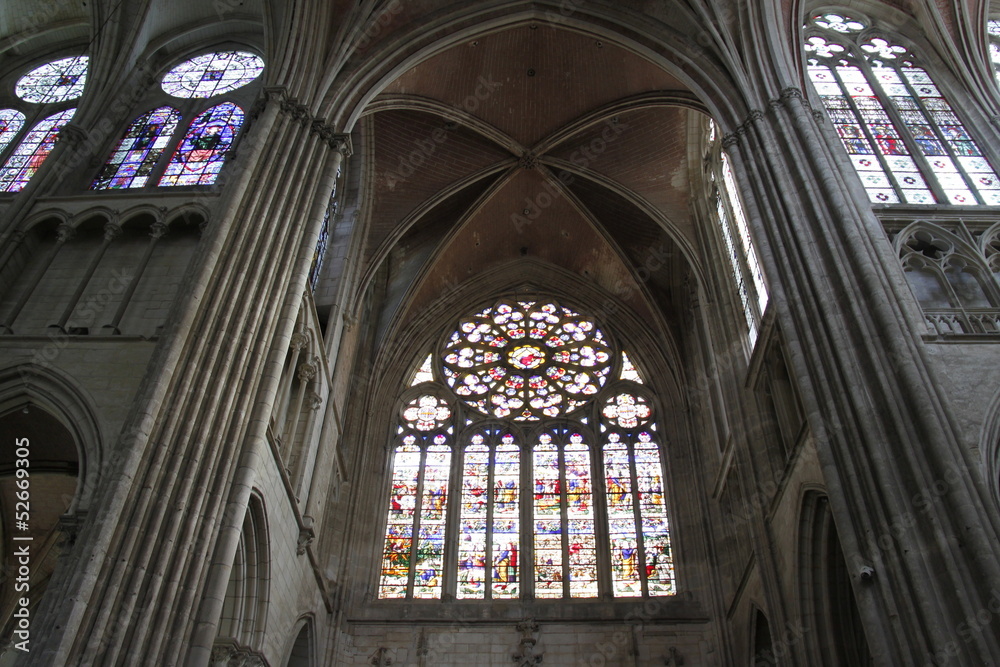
626, 410
139, 150
625, 579
199, 158
505, 520
212, 74
429, 569
526, 360
936, 129
11, 122
629, 371
32, 151
396, 554
993, 31
659, 561
582, 547
424, 373
58, 81
953, 168
426, 413
473, 520
548, 538
743, 233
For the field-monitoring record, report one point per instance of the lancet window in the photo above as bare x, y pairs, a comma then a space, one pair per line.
44, 92
905, 140
527, 463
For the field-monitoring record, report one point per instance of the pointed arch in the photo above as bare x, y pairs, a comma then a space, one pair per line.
200, 155
11, 122
138, 151
32, 151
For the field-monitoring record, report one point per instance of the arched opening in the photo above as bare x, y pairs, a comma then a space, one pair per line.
39, 470
302, 650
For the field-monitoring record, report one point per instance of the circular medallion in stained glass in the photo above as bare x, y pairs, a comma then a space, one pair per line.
58, 81
212, 74
626, 410
426, 413
526, 360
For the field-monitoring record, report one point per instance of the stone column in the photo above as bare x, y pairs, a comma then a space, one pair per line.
150, 569
881, 425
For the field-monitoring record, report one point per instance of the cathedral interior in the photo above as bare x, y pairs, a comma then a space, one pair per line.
431, 333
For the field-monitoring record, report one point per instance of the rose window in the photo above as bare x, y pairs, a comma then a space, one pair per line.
426, 413
627, 410
526, 360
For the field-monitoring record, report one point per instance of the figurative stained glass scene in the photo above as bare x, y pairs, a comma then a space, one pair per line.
902, 136
58, 81
212, 74
32, 151
559, 480
200, 155
139, 150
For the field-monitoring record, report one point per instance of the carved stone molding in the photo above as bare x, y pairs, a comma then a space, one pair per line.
65, 232
306, 535
526, 654
527, 161
228, 653
380, 658
70, 526
112, 230
307, 372
673, 658
299, 341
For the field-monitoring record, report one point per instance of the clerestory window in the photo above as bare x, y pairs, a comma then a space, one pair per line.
198, 153
906, 142
527, 463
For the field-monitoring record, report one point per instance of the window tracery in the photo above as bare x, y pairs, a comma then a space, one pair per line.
139, 150
199, 157
902, 136
42, 92
562, 504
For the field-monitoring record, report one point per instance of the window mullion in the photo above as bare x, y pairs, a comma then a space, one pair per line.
452, 529
564, 518
599, 500
637, 514
526, 568
969, 183
866, 130
905, 135
417, 510
490, 500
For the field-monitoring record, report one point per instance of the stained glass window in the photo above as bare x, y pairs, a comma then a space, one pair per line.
58, 81
903, 137
32, 151
199, 158
489, 529
212, 74
11, 122
137, 153
413, 552
324, 239
993, 32
526, 360
740, 251
545, 506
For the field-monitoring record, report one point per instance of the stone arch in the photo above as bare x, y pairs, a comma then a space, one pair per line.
675, 52
825, 590
37, 384
989, 444
762, 653
302, 650
244, 610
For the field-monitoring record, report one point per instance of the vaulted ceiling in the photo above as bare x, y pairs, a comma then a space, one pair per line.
532, 142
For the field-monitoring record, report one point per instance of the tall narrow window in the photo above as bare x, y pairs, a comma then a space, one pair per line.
200, 155
533, 478
32, 151
993, 33
903, 137
741, 253
489, 529
138, 151
413, 555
